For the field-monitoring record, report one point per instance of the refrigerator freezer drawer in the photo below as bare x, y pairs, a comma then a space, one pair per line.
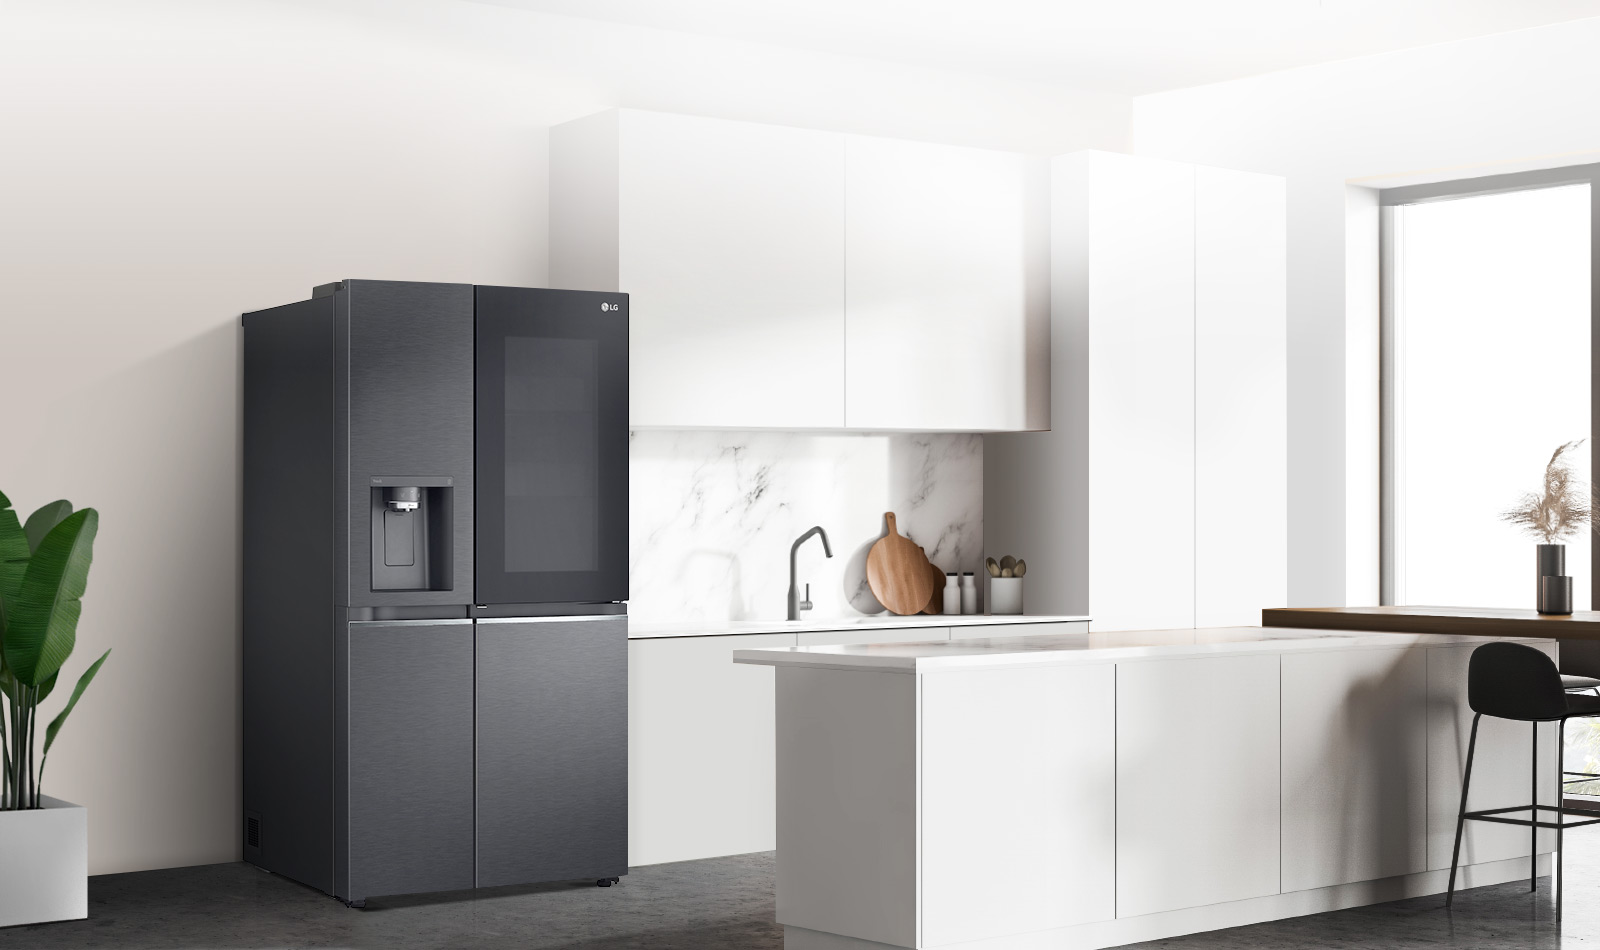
410, 784
552, 709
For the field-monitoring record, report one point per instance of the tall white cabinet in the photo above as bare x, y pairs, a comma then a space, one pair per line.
1158, 498
1241, 421
784, 278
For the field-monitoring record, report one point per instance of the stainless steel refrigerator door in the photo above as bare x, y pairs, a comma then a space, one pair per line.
410, 758
552, 749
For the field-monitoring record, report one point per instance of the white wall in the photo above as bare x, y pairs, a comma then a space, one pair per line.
167, 165
1474, 107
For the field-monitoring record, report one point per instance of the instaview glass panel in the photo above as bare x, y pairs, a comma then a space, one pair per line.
552, 460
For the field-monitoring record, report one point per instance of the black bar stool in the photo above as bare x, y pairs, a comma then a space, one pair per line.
1514, 681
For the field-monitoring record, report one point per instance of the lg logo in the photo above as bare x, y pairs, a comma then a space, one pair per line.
611, 306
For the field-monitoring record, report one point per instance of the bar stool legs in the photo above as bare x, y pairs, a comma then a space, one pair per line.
1533, 796
1560, 823
1561, 815
1461, 815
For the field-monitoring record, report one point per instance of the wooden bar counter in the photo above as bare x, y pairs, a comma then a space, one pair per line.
1472, 621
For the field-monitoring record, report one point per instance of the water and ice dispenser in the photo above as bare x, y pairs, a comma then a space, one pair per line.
412, 532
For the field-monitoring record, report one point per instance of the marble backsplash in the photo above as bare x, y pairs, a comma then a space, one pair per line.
713, 513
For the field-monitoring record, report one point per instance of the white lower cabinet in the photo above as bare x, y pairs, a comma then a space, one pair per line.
1354, 783
700, 748
1018, 807
1197, 782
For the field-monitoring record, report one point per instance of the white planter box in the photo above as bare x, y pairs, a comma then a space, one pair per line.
46, 872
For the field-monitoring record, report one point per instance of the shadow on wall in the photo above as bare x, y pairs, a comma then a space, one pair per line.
154, 752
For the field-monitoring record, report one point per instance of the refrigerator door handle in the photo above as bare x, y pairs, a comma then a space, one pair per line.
565, 619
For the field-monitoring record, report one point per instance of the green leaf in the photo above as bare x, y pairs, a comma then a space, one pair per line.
42, 626
77, 691
14, 552
46, 687
41, 521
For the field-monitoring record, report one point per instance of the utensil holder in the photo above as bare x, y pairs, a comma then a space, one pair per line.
1005, 595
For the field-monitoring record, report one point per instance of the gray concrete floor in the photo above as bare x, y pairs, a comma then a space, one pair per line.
719, 904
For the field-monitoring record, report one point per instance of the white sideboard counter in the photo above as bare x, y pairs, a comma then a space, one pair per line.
727, 628
1077, 792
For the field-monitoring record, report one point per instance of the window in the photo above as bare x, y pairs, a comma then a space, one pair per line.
1488, 326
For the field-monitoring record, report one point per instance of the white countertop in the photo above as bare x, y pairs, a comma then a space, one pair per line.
937, 655
712, 628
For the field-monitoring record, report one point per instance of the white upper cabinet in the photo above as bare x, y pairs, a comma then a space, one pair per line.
728, 238
785, 278
946, 286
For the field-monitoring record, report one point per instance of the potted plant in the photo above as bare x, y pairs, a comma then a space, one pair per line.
44, 569
1560, 511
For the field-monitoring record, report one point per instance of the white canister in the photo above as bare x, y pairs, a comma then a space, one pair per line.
952, 594
969, 593
1005, 595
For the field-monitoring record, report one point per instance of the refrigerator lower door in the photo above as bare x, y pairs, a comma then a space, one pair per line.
410, 759
552, 759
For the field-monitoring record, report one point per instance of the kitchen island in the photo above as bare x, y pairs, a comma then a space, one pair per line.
1093, 790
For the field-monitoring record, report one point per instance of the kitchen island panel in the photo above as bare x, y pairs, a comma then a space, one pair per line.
700, 749
1500, 770
1197, 782
1018, 801
1355, 757
847, 803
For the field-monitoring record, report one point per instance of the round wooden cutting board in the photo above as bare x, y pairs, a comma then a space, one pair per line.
898, 572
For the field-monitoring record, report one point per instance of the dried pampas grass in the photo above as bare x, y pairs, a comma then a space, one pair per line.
1562, 510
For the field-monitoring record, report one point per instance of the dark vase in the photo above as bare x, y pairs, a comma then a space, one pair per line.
1555, 595
1552, 562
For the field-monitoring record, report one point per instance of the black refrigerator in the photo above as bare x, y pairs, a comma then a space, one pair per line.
435, 586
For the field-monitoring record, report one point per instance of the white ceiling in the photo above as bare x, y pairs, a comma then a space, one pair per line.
1129, 47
